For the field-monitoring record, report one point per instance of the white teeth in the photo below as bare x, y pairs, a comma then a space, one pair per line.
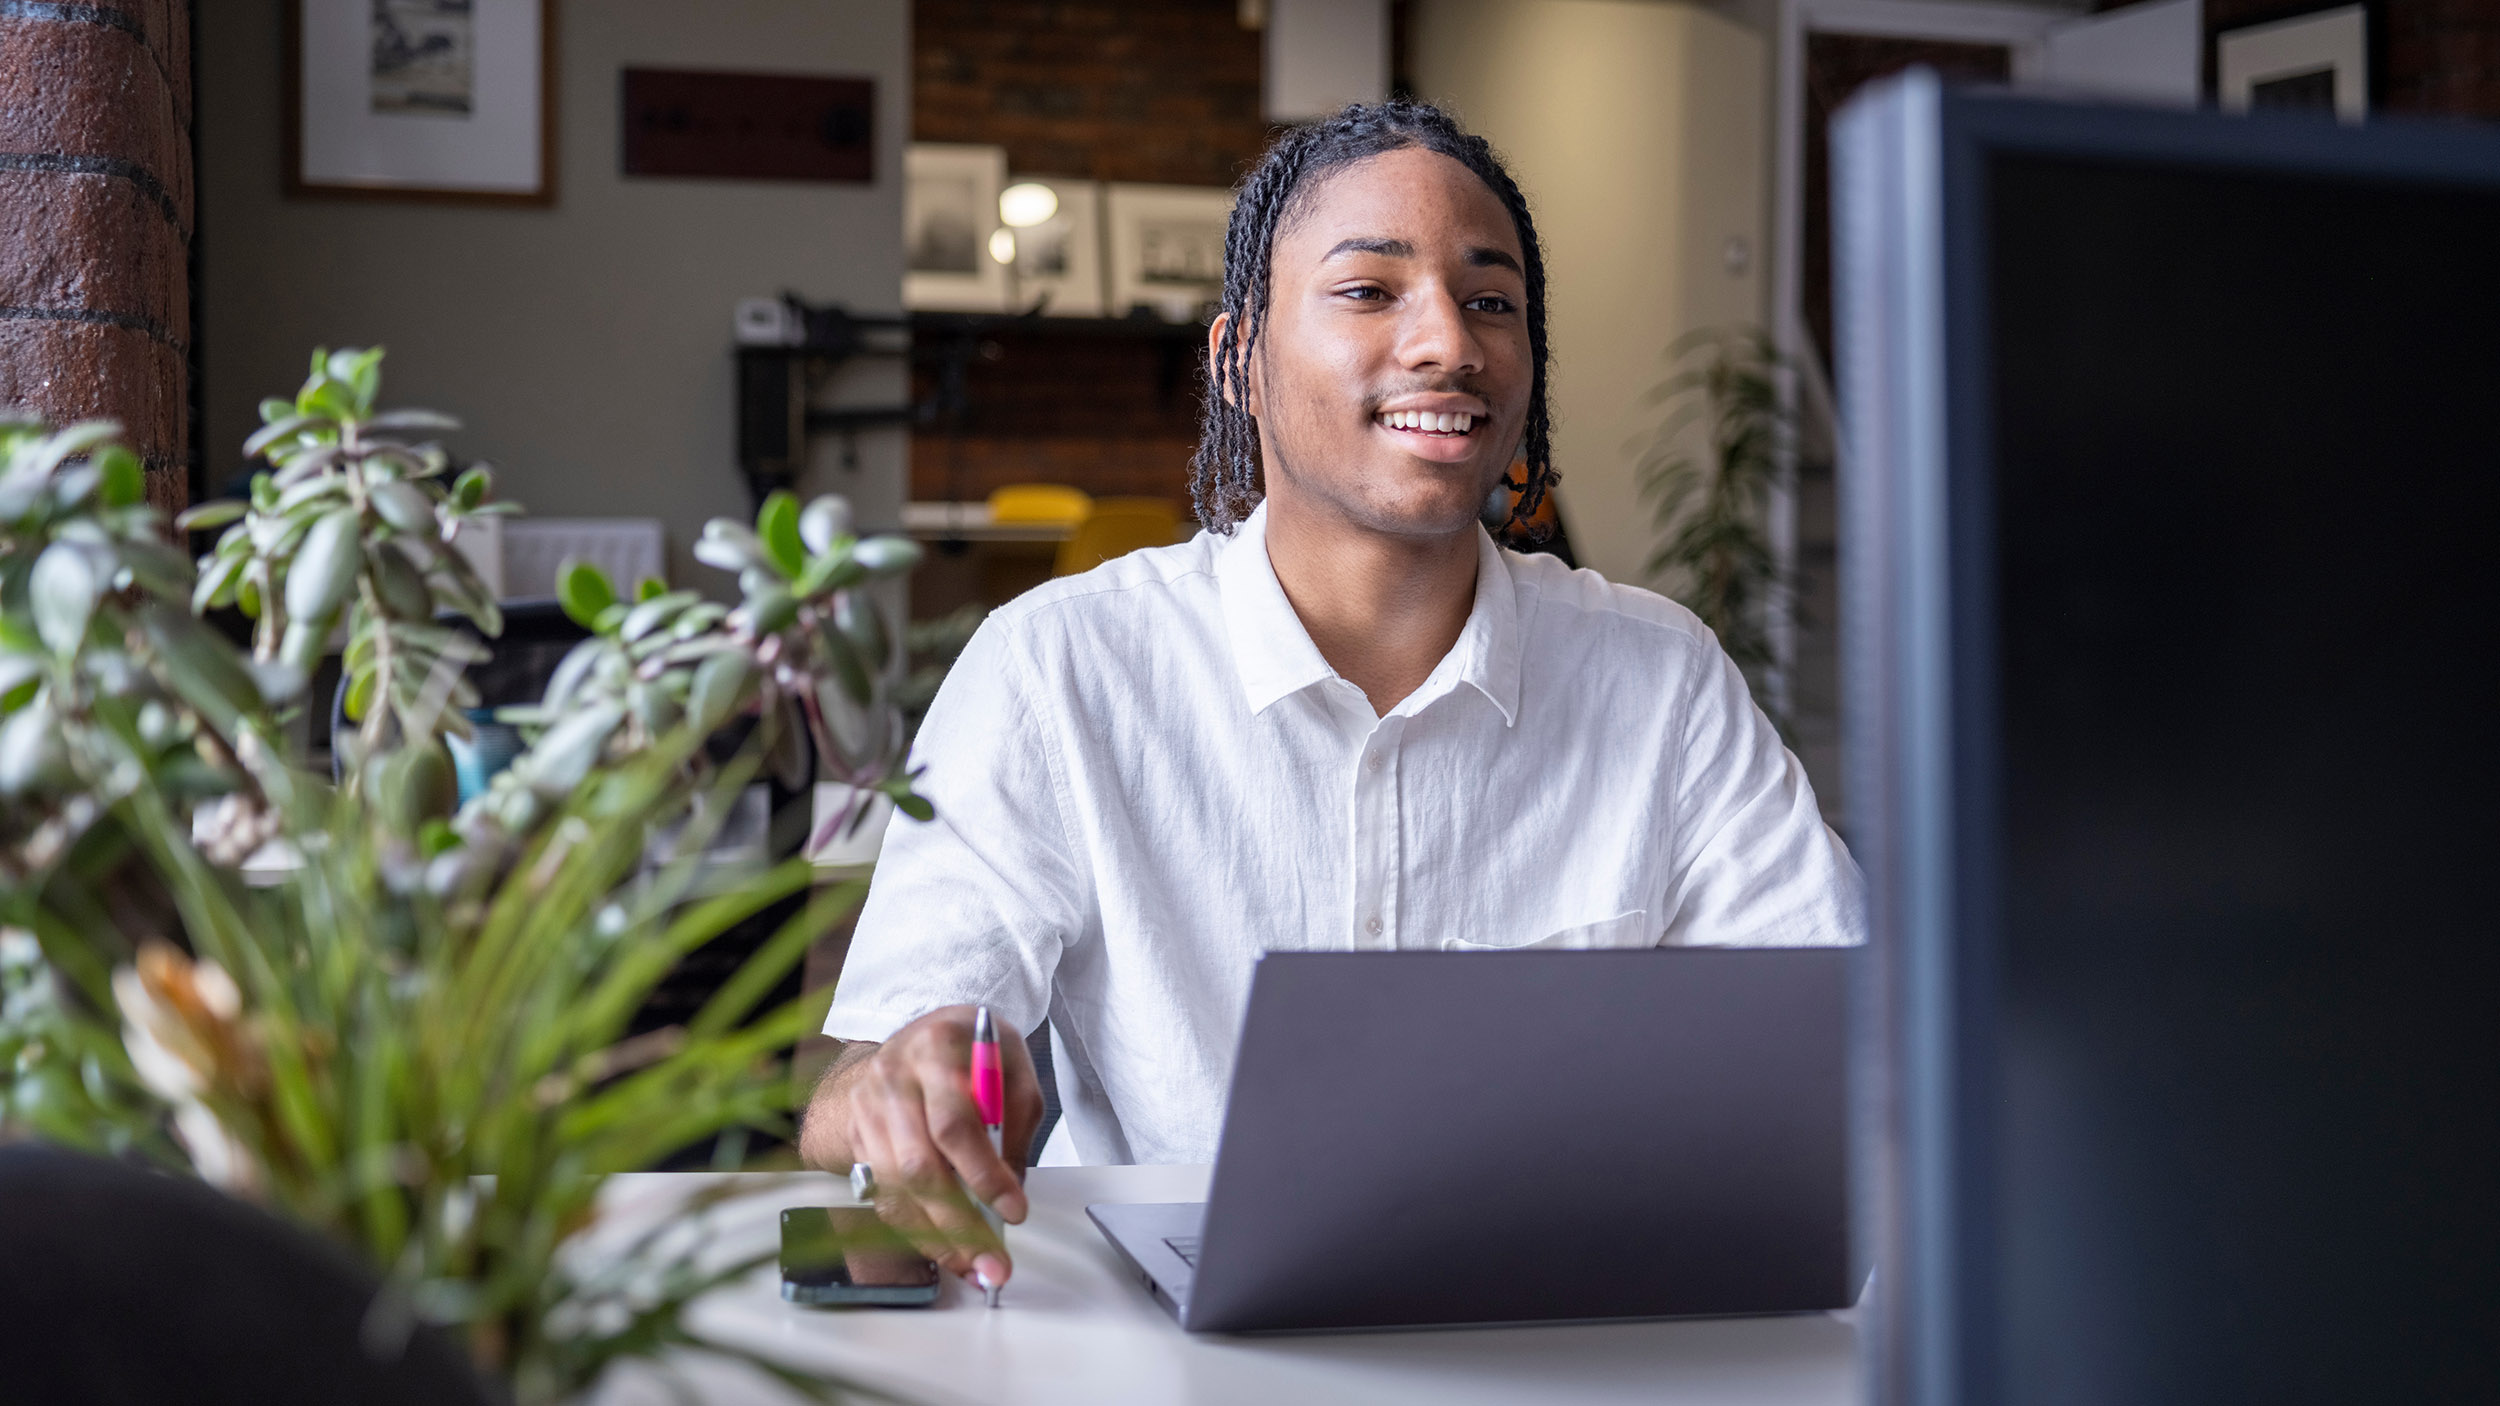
1428, 421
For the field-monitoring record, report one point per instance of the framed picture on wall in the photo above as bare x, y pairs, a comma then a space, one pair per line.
1167, 248
450, 100
952, 258
2317, 62
1058, 264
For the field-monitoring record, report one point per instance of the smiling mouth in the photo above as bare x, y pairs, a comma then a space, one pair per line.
1426, 422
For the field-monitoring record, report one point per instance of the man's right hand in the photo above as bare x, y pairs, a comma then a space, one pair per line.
905, 1108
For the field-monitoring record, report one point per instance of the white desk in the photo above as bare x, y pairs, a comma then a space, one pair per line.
1075, 1327
937, 521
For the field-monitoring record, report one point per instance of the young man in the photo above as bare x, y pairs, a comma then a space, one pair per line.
1340, 718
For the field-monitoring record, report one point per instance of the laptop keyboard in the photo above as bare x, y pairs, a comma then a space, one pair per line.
1185, 1246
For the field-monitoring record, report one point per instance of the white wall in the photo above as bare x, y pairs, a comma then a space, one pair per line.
1637, 130
1323, 54
587, 347
2148, 52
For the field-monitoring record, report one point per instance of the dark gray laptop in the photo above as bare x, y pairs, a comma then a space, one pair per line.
1420, 1138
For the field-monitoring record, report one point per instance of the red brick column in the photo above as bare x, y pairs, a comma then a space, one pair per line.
95, 220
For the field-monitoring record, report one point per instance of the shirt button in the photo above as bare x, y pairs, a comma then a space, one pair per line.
1373, 762
1372, 925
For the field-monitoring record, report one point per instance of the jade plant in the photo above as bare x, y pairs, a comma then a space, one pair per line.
807, 649
412, 1036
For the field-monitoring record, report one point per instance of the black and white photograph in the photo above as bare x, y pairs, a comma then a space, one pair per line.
421, 56
1056, 223
1179, 252
426, 100
1167, 247
952, 261
2318, 63
946, 233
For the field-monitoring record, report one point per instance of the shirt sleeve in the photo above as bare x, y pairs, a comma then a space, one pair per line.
975, 905
1755, 864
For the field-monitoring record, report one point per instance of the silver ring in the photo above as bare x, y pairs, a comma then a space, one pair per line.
863, 1182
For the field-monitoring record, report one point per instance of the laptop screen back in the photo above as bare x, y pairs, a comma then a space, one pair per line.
1422, 1137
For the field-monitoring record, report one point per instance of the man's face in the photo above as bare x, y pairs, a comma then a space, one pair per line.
1391, 382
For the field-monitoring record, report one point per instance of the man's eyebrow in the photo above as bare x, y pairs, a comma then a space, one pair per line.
1483, 256
1373, 244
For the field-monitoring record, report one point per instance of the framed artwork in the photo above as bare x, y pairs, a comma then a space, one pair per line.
1059, 255
2316, 62
950, 218
1166, 248
447, 100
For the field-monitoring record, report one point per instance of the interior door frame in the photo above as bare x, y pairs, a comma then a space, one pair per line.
2021, 28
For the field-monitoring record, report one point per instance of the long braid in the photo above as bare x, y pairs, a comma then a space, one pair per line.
1224, 479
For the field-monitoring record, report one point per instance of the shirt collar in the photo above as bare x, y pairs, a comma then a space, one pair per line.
1275, 656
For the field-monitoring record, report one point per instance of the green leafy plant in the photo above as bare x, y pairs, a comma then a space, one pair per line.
1715, 553
415, 1038
807, 649
354, 521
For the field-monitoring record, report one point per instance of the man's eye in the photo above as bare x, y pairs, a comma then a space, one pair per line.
1492, 302
1366, 293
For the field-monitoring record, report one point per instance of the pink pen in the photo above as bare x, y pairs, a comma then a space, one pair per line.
989, 1094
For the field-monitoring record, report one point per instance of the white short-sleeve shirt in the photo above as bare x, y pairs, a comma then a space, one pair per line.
1146, 775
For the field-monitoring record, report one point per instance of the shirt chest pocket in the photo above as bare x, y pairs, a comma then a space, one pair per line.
1622, 930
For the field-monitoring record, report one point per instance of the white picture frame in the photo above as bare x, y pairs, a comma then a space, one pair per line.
950, 210
1166, 247
1059, 261
422, 100
2310, 61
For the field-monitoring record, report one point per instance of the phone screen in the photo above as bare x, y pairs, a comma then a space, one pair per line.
845, 1254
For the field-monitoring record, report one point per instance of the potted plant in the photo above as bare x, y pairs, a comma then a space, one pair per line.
1714, 555
415, 1039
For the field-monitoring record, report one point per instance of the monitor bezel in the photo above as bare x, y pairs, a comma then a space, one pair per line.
1911, 161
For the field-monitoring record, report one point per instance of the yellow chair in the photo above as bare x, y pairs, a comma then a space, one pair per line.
1039, 503
1116, 527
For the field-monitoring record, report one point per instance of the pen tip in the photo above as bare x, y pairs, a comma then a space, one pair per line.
984, 1030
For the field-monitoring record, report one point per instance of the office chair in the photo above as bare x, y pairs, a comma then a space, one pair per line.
131, 1286
1039, 502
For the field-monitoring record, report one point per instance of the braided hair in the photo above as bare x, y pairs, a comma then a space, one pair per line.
1224, 479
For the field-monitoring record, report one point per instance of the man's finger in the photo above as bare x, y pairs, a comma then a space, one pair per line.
952, 1230
955, 1127
901, 1208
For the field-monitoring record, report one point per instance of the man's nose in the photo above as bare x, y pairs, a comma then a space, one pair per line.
1436, 337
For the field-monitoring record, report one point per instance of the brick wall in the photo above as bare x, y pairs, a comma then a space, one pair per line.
2442, 56
1114, 90
1111, 90
1110, 415
96, 219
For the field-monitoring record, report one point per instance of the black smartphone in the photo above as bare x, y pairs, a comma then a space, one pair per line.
845, 1255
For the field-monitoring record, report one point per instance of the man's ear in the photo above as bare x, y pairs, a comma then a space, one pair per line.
1246, 387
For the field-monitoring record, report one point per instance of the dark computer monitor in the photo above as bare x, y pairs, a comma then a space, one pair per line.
2170, 491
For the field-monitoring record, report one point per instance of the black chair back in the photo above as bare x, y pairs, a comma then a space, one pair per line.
119, 1285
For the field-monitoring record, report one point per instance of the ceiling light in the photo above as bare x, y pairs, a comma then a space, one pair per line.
1003, 245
